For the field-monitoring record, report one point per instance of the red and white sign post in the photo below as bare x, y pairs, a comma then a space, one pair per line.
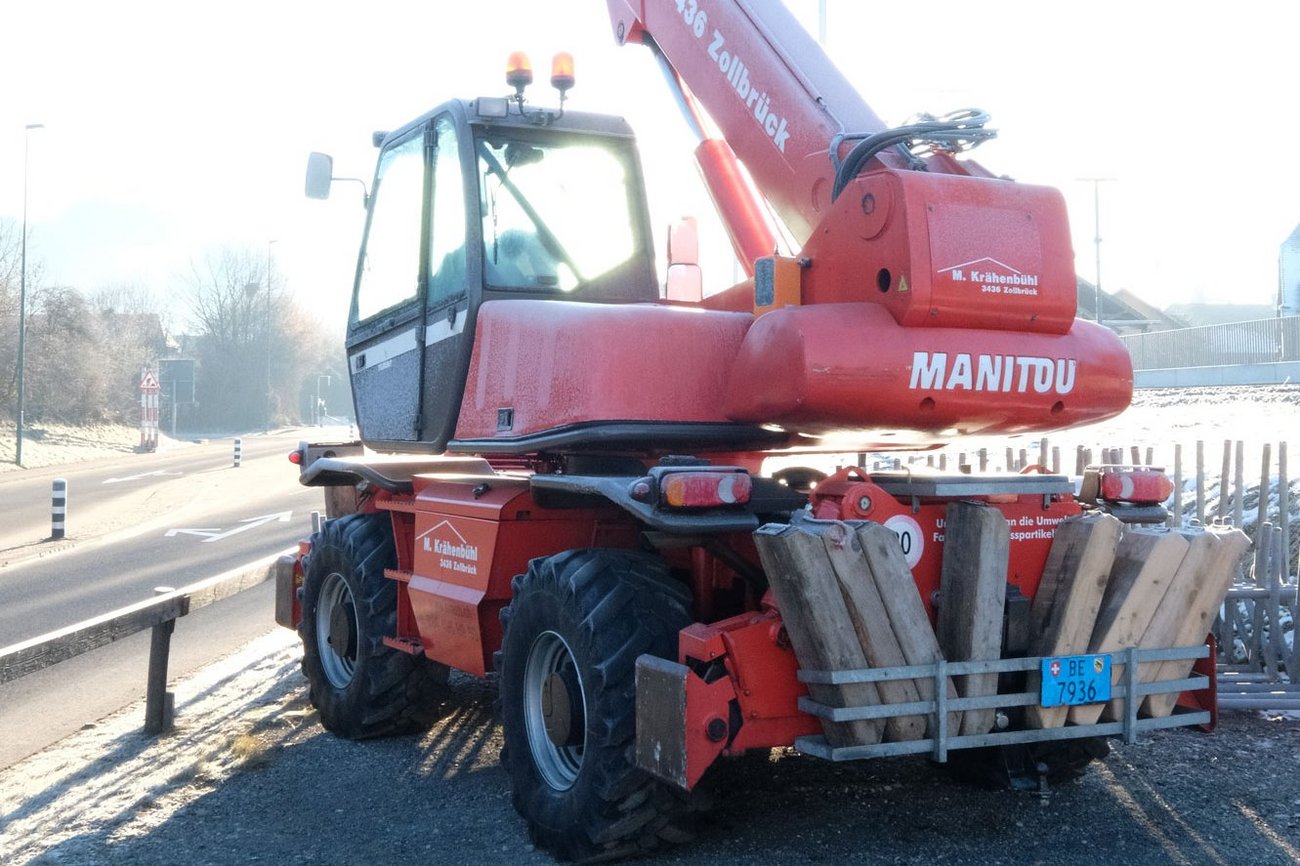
149, 410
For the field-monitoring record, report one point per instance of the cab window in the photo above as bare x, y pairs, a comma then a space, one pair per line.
390, 260
556, 215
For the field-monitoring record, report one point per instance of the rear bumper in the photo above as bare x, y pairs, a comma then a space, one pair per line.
684, 724
1119, 719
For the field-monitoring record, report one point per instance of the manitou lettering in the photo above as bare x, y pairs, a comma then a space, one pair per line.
1008, 374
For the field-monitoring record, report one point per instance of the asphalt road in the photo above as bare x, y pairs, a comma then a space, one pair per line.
136, 522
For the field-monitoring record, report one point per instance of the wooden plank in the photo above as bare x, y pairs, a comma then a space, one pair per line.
972, 597
1145, 563
1064, 611
875, 633
821, 632
1163, 629
905, 609
1201, 607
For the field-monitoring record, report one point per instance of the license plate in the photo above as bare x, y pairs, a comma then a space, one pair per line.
1072, 680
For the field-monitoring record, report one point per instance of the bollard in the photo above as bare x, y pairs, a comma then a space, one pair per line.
160, 704
239, 449
58, 508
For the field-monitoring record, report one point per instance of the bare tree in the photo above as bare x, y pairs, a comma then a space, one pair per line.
254, 345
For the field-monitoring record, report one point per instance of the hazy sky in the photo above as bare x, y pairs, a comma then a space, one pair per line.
173, 129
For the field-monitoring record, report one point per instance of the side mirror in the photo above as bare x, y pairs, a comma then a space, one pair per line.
320, 171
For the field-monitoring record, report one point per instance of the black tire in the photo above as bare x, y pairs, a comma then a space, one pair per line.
361, 687
575, 626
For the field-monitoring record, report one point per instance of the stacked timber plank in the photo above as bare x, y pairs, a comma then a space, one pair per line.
972, 598
848, 602
1065, 608
1142, 587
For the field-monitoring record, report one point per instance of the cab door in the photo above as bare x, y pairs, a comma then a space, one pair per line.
454, 281
385, 341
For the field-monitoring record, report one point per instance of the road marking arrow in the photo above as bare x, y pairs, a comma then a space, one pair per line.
205, 532
244, 525
162, 472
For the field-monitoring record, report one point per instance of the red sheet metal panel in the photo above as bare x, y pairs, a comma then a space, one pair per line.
471, 537
834, 367
556, 363
948, 251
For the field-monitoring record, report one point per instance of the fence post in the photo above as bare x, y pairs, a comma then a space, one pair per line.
1239, 485
58, 508
1284, 511
159, 704
239, 451
1200, 481
1261, 511
1224, 477
1176, 518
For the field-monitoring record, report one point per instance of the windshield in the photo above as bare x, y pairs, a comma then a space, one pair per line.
555, 215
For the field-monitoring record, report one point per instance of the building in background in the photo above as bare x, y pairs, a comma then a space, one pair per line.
1288, 276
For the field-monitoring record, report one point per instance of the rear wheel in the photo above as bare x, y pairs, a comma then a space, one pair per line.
361, 687
575, 626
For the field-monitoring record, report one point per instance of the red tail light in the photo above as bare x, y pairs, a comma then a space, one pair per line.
704, 489
1136, 485
295, 457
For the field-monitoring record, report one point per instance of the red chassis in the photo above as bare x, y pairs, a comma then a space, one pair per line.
461, 539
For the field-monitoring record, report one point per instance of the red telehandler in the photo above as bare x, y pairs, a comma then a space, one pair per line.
562, 479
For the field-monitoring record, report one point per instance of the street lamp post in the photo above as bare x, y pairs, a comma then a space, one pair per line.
267, 408
22, 301
319, 414
1096, 215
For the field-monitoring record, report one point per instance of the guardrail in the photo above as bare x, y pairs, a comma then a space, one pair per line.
1259, 341
159, 613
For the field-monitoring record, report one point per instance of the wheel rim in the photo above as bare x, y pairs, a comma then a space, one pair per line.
336, 631
554, 711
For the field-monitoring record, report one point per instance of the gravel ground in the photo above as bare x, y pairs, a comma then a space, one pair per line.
249, 776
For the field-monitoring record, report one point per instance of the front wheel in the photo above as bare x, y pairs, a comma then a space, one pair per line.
575, 626
361, 687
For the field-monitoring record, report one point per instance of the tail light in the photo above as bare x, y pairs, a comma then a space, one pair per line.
1134, 484
295, 457
704, 489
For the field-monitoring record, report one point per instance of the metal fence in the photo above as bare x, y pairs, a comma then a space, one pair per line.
1258, 652
1258, 342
